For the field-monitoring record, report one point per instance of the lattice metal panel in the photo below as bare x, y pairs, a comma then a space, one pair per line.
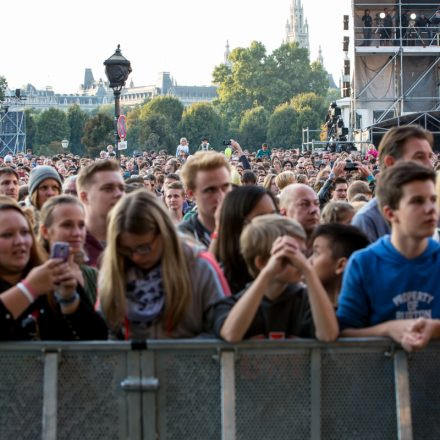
273, 396
90, 400
189, 395
21, 395
424, 369
357, 396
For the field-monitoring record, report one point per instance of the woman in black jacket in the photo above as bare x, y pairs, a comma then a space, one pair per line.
38, 299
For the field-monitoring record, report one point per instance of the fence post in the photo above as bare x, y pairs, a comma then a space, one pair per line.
50, 396
227, 362
149, 408
403, 398
316, 393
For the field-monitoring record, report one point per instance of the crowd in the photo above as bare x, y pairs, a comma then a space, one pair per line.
234, 244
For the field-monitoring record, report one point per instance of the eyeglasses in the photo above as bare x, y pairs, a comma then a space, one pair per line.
142, 249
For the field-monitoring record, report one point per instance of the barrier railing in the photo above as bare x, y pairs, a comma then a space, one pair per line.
206, 389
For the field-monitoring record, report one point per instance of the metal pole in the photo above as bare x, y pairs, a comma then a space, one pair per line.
117, 94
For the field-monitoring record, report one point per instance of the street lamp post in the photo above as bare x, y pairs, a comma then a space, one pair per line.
117, 69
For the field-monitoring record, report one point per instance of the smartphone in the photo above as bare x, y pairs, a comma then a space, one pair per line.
60, 249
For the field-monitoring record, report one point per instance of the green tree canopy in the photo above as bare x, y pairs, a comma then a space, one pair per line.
280, 132
255, 78
77, 120
31, 128
253, 127
167, 106
200, 120
52, 126
98, 133
155, 132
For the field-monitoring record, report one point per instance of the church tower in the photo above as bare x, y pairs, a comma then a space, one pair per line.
297, 28
226, 55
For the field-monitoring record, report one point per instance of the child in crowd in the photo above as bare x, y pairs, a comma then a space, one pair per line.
333, 244
276, 304
392, 288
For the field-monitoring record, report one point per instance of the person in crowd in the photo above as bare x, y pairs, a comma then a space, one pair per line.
333, 244
206, 176
39, 298
151, 284
204, 146
300, 202
284, 179
174, 199
183, 147
337, 212
63, 220
100, 186
248, 178
400, 144
9, 183
276, 304
269, 184
69, 186
359, 187
263, 152
391, 288
44, 183
239, 207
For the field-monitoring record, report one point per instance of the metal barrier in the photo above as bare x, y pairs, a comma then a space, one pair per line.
204, 389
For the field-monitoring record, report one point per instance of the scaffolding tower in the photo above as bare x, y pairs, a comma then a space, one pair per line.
396, 76
12, 125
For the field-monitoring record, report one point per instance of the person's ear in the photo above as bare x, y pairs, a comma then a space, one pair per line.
388, 213
259, 262
283, 211
190, 193
340, 265
83, 197
44, 232
389, 161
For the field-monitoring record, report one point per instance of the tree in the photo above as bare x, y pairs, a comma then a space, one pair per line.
253, 127
167, 106
155, 131
98, 133
52, 126
200, 120
256, 79
77, 119
280, 132
3, 86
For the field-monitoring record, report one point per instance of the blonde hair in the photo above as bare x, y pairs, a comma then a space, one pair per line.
141, 213
87, 174
202, 161
285, 178
336, 211
258, 236
268, 181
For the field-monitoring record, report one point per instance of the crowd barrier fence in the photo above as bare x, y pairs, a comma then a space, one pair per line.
207, 390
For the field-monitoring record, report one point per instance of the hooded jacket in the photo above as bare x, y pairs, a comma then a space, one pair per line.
380, 285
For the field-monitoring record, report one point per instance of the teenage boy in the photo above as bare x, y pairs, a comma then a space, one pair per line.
392, 288
333, 244
9, 185
100, 186
276, 304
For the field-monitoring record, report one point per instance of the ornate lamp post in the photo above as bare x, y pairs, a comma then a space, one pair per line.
117, 69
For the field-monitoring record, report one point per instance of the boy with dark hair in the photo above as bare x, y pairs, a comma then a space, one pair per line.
276, 304
333, 244
392, 288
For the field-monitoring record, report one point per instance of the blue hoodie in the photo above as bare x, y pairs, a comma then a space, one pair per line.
380, 285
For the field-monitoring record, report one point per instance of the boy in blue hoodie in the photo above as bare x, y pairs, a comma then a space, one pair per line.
392, 288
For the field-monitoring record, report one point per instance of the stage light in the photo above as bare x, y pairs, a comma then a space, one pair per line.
382, 15
413, 16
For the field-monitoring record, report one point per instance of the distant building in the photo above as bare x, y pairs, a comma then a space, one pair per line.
297, 28
331, 81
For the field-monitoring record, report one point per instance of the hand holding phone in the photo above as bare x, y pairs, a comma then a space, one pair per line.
60, 249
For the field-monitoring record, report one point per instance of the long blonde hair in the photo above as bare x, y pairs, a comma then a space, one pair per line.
141, 213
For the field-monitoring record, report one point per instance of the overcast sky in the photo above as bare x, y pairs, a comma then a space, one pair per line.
51, 42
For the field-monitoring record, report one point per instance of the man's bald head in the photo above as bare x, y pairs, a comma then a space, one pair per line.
300, 202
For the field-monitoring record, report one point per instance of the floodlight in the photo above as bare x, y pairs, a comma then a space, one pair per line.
413, 16
382, 15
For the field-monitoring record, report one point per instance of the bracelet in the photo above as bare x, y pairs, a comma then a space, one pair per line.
66, 301
25, 291
214, 235
30, 289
